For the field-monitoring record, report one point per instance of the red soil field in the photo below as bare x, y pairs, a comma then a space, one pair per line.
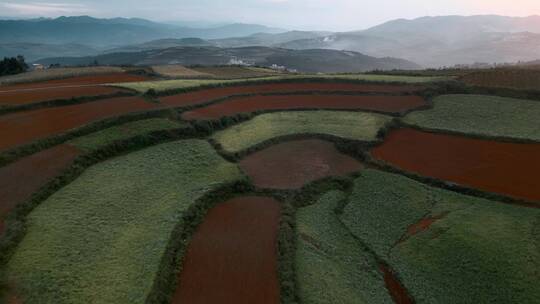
291, 165
78, 80
232, 257
19, 180
25, 127
201, 96
398, 293
506, 168
389, 104
24, 96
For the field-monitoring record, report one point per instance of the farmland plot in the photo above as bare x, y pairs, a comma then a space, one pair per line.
505, 168
350, 125
470, 251
331, 265
386, 104
100, 239
481, 115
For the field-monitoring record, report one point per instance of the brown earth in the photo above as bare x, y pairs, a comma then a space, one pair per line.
514, 78
388, 104
291, 165
201, 96
423, 224
19, 180
398, 293
25, 96
232, 257
78, 80
505, 168
25, 127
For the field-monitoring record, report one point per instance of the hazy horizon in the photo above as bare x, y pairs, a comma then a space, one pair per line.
337, 15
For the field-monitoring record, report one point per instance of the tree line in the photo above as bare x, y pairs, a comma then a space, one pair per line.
13, 65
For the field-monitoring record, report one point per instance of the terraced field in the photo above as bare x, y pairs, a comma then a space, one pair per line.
165, 85
101, 238
312, 197
333, 266
384, 104
349, 125
482, 164
488, 116
446, 247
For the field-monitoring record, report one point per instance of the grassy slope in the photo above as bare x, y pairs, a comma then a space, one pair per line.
482, 115
351, 125
479, 252
124, 131
331, 266
100, 239
165, 85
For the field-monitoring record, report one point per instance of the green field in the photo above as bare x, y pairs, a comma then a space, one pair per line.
164, 85
331, 266
482, 115
124, 131
100, 239
479, 251
350, 125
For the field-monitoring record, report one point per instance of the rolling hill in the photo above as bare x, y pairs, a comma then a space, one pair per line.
441, 41
120, 31
313, 61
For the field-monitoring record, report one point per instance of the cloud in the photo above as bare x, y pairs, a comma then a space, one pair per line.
44, 8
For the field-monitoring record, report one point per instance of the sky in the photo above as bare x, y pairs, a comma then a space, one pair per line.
335, 15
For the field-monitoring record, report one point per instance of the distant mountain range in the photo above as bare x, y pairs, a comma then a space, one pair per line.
101, 33
311, 61
428, 41
440, 41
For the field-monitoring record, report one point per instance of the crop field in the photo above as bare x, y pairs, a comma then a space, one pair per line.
24, 127
233, 253
482, 164
35, 170
481, 115
178, 71
332, 188
521, 79
124, 131
332, 266
350, 125
59, 73
387, 104
164, 85
473, 247
99, 239
16, 96
233, 72
202, 96
291, 165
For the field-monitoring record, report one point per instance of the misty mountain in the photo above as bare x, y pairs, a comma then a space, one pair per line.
112, 32
161, 44
438, 41
268, 39
312, 61
34, 51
